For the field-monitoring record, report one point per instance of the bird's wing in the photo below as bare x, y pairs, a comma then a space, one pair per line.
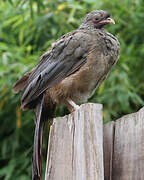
21, 83
65, 57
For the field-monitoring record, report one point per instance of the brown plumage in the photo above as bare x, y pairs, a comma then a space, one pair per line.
68, 73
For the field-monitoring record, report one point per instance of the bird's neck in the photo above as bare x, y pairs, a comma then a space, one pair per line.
87, 26
91, 27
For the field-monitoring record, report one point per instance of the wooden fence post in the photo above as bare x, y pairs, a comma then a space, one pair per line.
124, 148
128, 151
75, 150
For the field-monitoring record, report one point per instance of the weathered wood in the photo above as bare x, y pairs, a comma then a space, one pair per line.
128, 157
75, 147
108, 132
75, 150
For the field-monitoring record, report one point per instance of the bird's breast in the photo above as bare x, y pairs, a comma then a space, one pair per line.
102, 55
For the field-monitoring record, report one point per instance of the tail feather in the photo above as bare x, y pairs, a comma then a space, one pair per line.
38, 138
37, 153
42, 113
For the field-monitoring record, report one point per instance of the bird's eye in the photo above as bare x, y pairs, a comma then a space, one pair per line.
96, 18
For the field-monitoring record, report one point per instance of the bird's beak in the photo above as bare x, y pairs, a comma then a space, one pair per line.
106, 21
110, 21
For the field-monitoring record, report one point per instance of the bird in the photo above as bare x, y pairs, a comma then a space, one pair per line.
67, 74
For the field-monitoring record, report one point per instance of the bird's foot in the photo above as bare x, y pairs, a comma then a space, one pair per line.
76, 107
72, 106
73, 110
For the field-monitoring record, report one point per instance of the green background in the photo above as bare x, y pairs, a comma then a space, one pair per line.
27, 29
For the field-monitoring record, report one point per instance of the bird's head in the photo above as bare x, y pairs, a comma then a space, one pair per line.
97, 19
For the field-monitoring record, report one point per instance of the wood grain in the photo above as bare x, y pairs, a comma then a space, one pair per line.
75, 150
128, 157
108, 132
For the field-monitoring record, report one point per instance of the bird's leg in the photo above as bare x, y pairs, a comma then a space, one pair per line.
71, 105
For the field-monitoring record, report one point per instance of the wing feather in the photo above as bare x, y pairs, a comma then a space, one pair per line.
66, 57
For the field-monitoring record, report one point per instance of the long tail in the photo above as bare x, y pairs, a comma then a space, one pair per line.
38, 137
43, 112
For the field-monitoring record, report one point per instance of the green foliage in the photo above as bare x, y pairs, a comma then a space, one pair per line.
27, 29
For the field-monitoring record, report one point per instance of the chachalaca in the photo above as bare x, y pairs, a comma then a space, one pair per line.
68, 73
